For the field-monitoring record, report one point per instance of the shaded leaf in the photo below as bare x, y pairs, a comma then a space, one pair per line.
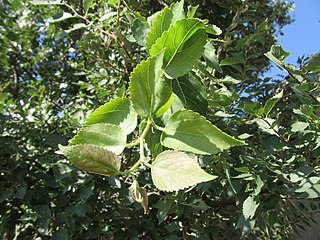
272, 102
211, 57
183, 43
231, 61
149, 92
173, 171
139, 30
87, 4
118, 111
313, 64
188, 131
213, 29
104, 135
192, 11
92, 159
192, 92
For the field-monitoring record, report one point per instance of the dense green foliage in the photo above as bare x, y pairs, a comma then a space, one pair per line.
181, 103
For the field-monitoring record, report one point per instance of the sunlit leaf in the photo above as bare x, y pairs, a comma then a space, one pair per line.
188, 131
106, 135
149, 92
173, 171
118, 111
183, 43
250, 206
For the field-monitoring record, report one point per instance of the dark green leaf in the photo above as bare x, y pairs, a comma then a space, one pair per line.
313, 64
231, 61
46, 2
191, 92
86, 5
271, 103
139, 30
211, 57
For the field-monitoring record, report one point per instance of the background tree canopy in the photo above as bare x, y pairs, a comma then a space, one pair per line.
60, 60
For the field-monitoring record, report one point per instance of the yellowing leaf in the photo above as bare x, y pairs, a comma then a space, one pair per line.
92, 159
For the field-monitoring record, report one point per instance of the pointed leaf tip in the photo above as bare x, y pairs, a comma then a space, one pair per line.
173, 171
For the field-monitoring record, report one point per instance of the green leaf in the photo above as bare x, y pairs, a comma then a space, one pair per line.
192, 92
278, 52
153, 142
192, 11
162, 21
299, 126
211, 57
86, 5
92, 159
164, 207
313, 64
267, 125
183, 45
188, 131
277, 55
104, 135
300, 173
246, 225
250, 206
160, 24
149, 92
177, 11
213, 29
139, 30
313, 192
60, 17
173, 171
271, 103
232, 61
118, 111
45, 2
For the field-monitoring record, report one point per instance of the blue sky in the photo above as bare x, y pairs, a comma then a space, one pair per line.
302, 37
